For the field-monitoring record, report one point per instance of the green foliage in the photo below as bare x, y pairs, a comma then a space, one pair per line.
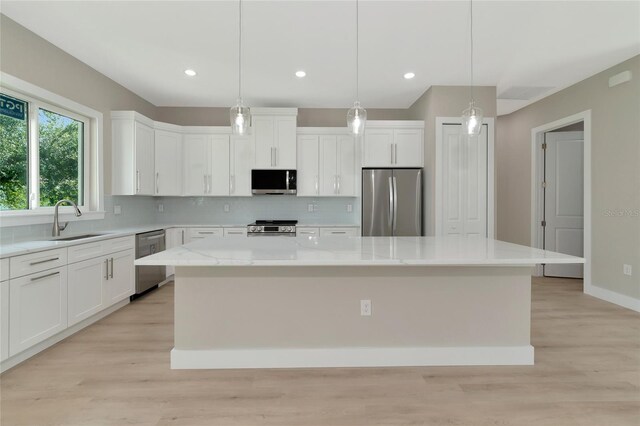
59, 147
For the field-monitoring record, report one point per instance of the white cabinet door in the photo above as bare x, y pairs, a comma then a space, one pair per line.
4, 320
328, 165
168, 163
37, 308
263, 134
285, 138
346, 166
408, 148
121, 282
219, 173
196, 164
241, 163
86, 289
308, 178
378, 145
144, 160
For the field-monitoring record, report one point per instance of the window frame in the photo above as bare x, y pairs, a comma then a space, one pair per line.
92, 161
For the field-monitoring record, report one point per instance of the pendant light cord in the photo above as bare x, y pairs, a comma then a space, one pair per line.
471, 40
240, 50
357, 51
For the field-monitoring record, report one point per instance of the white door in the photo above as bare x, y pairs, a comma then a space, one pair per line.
308, 178
168, 163
241, 163
86, 289
408, 148
378, 144
328, 165
196, 164
263, 134
346, 149
464, 182
145, 178
219, 174
285, 134
121, 283
37, 308
563, 200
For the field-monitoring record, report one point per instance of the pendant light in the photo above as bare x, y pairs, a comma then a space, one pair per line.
357, 116
240, 115
472, 116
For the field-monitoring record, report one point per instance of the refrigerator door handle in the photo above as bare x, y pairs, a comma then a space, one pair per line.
391, 203
395, 206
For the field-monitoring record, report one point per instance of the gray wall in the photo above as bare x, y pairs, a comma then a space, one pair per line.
443, 101
615, 121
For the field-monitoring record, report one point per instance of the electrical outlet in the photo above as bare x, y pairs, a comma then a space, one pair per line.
117, 209
365, 308
309, 208
226, 208
349, 208
160, 208
315, 207
626, 269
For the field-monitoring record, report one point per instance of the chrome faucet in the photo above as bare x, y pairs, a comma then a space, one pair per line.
56, 225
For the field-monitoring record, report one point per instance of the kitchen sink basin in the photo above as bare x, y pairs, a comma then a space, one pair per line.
77, 237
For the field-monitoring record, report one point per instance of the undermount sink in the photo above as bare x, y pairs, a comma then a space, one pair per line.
77, 237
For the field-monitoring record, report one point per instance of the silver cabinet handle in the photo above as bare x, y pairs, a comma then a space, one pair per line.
210, 183
157, 186
43, 261
317, 185
338, 232
204, 188
335, 183
137, 180
395, 206
395, 153
271, 156
111, 275
232, 185
44, 276
155, 237
206, 232
391, 153
390, 220
338, 177
183, 236
275, 156
106, 265
235, 232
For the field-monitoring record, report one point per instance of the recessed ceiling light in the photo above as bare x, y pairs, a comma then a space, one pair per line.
409, 75
300, 74
190, 72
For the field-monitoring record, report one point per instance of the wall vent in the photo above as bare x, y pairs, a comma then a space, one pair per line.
523, 93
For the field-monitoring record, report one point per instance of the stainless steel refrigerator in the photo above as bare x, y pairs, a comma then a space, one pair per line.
391, 202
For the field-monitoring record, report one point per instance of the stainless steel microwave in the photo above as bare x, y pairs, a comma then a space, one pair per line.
273, 182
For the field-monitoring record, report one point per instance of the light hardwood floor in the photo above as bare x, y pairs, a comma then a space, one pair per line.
116, 372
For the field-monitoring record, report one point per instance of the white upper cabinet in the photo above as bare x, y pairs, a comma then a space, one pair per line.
326, 165
308, 166
274, 135
241, 159
206, 165
168, 163
132, 154
393, 144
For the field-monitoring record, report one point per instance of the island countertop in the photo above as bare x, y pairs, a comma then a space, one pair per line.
354, 251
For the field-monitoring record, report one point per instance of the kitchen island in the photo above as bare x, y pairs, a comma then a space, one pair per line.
281, 302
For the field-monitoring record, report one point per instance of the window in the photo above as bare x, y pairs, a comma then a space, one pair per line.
43, 154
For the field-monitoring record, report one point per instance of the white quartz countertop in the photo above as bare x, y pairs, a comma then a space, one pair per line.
353, 251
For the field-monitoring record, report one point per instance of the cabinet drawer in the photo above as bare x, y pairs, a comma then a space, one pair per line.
36, 262
338, 232
119, 244
4, 269
307, 231
196, 233
235, 232
82, 252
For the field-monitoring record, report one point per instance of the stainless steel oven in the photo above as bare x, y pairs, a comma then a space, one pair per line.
261, 228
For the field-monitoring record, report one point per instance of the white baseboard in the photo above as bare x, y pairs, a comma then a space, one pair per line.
39, 347
613, 297
351, 357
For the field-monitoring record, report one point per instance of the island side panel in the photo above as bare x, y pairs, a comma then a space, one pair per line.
289, 308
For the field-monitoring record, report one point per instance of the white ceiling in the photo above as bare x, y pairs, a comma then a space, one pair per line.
146, 46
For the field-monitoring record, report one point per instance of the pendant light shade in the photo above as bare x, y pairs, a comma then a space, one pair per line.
357, 116
472, 120
240, 115
471, 117
356, 119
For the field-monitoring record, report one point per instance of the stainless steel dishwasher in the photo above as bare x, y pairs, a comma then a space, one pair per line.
147, 277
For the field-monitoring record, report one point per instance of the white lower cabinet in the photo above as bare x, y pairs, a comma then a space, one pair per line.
4, 320
86, 288
121, 283
37, 308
